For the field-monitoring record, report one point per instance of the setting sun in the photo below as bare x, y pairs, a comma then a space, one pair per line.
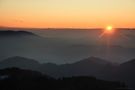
109, 29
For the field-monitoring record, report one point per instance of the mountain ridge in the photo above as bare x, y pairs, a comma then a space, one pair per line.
86, 68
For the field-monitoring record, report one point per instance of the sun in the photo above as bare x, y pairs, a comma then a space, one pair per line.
109, 29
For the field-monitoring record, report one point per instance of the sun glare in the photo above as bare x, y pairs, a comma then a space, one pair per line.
109, 29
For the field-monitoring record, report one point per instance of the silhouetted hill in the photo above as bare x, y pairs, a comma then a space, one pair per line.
93, 60
15, 33
18, 73
91, 66
19, 79
16, 79
19, 62
129, 63
126, 72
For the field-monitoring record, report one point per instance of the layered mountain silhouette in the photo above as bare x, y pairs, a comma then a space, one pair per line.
91, 66
61, 50
16, 79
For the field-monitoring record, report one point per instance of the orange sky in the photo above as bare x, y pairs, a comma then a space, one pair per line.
67, 13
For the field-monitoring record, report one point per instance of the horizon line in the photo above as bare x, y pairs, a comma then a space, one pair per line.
49, 28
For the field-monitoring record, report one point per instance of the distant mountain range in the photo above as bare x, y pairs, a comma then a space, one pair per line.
52, 48
91, 66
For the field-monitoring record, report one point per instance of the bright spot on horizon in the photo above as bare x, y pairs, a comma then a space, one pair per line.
109, 29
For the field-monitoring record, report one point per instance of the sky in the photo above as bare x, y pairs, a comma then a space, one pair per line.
67, 13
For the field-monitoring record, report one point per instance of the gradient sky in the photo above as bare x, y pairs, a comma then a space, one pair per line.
67, 13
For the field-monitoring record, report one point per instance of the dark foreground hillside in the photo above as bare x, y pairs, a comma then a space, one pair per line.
20, 79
